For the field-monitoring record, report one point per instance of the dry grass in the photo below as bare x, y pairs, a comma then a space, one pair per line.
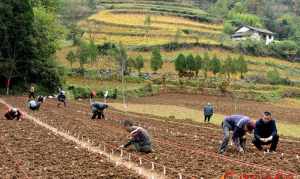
101, 85
138, 19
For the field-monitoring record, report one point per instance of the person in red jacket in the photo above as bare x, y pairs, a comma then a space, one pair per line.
12, 114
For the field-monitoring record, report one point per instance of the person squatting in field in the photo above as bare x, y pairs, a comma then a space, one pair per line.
61, 98
36, 104
240, 125
208, 112
139, 138
265, 132
13, 113
98, 110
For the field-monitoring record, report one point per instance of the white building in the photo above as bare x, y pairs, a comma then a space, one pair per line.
246, 32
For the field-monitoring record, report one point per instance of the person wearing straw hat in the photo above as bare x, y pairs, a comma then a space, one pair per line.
265, 133
13, 113
139, 138
240, 125
208, 112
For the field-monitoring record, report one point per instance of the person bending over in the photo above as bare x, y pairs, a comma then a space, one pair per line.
240, 125
139, 138
98, 110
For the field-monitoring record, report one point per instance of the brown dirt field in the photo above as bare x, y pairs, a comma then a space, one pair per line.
183, 149
30, 151
223, 105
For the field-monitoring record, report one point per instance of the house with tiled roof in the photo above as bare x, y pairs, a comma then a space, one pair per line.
248, 32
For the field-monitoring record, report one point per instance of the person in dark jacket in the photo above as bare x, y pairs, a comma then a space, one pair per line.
36, 104
240, 125
265, 133
61, 97
208, 112
13, 113
139, 137
98, 110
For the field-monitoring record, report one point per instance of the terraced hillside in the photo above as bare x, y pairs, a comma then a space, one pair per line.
136, 23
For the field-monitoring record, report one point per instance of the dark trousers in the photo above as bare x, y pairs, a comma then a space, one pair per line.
258, 144
36, 108
61, 100
11, 117
207, 117
98, 114
226, 130
31, 95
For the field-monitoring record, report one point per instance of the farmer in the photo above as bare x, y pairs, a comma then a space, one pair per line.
13, 113
31, 92
139, 137
239, 124
98, 110
35, 104
208, 112
265, 133
61, 97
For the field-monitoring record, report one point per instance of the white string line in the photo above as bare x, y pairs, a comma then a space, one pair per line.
129, 165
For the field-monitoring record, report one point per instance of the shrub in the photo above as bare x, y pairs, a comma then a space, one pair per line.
80, 92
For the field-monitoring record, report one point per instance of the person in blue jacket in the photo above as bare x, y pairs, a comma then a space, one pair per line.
208, 112
240, 125
98, 110
265, 132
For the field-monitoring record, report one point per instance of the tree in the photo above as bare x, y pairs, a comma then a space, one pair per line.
205, 64
92, 4
273, 76
198, 64
28, 52
190, 63
180, 63
130, 64
139, 63
83, 55
228, 67
71, 57
121, 57
156, 60
242, 66
215, 65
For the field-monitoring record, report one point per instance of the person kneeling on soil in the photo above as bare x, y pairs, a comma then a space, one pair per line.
98, 110
13, 113
61, 97
139, 137
265, 132
239, 124
208, 111
35, 105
